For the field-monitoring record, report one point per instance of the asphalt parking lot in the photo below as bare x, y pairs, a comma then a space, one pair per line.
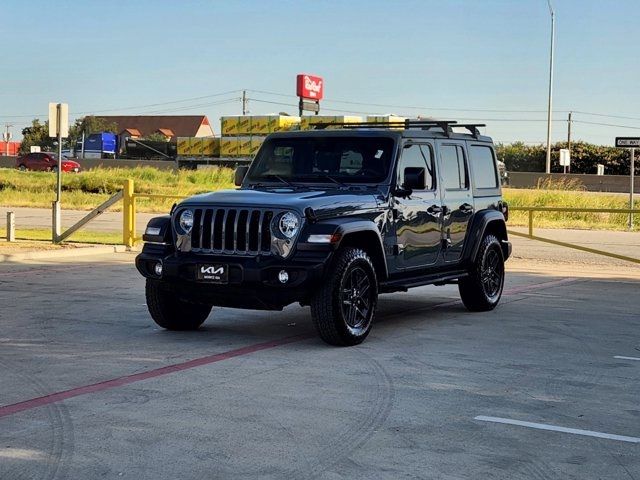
91, 388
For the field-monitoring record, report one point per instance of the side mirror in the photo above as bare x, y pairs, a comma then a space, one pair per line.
241, 172
414, 178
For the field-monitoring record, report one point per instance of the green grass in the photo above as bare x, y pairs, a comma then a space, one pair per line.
86, 190
569, 199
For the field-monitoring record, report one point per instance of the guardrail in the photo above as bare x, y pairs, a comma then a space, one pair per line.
530, 235
129, 236
129, 196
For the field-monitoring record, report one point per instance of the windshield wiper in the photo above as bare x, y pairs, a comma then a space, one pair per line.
325, 176
278, 177
334, 180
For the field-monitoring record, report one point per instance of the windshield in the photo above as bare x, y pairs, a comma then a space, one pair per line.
323, 160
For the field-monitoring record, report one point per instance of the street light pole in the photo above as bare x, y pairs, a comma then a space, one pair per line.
549, 106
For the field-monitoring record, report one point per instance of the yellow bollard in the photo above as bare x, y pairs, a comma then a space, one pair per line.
128, 213
531, 223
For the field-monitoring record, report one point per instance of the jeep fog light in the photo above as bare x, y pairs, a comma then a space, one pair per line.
157, 269
283, 276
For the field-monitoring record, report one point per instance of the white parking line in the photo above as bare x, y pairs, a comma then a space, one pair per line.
620, 357
544, 426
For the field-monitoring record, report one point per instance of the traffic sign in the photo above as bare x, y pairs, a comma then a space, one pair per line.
631, 143
565, 157
627, 142
58, 120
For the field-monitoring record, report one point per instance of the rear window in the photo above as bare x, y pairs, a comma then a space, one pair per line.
485, 174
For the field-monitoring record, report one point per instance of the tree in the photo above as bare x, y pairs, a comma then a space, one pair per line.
156, 137
36, 135
585, 157
89, 124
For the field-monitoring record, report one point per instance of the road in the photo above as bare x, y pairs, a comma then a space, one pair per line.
92, 389
41, 218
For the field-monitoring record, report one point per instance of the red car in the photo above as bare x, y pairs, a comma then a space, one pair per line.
47, 162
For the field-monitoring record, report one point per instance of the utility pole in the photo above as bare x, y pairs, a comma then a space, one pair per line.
549, 105
631, 176
7, 136
569, 132
244, 102
569, 137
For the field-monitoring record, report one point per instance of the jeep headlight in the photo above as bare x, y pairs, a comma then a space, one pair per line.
289, 224
186, 221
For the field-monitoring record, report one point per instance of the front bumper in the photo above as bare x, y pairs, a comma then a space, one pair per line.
252, 281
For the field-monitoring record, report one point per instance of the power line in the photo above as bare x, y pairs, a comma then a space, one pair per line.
606, 115
606, 124
133, 107
200, 105
411, 107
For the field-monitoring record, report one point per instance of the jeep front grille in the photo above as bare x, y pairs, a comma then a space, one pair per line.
231, 231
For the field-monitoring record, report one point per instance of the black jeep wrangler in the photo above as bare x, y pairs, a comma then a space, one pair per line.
331, 218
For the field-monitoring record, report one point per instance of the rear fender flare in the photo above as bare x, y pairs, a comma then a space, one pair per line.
482, 222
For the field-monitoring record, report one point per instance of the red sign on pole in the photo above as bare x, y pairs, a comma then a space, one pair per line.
309, 86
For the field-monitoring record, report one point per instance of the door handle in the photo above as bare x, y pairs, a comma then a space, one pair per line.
466, 208
434, 210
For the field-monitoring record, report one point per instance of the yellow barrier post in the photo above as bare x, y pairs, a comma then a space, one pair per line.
128, 214
531, 223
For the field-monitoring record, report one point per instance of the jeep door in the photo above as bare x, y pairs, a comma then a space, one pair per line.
457, 198
417, 216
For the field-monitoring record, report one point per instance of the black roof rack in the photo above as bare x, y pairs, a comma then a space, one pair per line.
445, 125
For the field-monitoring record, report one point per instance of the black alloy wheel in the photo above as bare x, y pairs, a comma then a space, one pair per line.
356, 296
344, 306
492, 273
482, 288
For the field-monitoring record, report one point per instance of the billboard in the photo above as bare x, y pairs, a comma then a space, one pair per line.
309, 86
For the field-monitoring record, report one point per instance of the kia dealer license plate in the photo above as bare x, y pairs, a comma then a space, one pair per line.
213, 272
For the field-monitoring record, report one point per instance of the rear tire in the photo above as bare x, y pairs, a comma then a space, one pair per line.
482, 289
343, 308
171, 312
22, 167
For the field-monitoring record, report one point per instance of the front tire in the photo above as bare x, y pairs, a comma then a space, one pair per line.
171, 312
482, 289
344, 307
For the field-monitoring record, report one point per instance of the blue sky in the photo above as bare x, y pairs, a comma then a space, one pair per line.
473, 56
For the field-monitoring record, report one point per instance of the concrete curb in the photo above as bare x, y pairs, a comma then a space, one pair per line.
66, 253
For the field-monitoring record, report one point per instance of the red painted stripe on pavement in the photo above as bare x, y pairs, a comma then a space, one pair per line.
539, 286
516, 290
218, 357
138, 377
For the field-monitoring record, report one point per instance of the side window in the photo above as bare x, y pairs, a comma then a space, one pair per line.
485, 174
454, 167
417, 156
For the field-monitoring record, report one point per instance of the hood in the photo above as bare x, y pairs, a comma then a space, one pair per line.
70, 163
324, 202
